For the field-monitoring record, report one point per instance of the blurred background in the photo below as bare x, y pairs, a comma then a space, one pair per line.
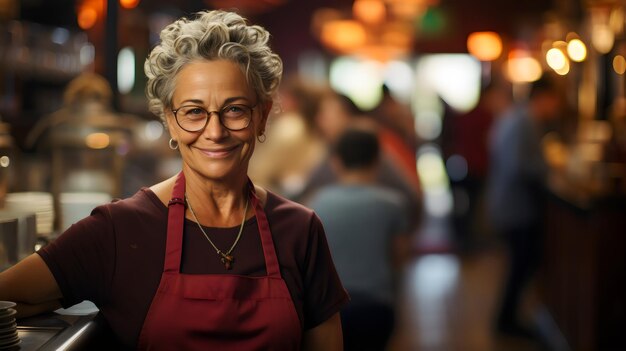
436, 77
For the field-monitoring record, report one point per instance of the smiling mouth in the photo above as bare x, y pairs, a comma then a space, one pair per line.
218, 153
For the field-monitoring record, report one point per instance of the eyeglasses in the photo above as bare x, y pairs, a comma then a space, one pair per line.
195, 118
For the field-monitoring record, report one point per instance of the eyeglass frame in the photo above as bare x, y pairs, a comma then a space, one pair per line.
219, 116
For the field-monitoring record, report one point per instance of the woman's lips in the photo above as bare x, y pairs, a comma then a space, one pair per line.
218, 152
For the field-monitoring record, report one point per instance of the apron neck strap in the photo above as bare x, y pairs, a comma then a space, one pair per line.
176, 220
269, 251
175, 223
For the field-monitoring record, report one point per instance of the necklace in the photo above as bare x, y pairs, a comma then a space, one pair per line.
226, 257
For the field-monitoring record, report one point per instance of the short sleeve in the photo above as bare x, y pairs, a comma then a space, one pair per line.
82, 259
324, 294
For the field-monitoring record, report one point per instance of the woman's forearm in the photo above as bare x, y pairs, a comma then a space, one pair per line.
31, 285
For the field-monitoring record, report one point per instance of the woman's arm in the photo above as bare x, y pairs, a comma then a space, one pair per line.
326, 336
31, 285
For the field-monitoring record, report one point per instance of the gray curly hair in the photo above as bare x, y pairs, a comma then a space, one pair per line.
211, 35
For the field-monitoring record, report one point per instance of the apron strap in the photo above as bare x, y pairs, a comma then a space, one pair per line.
175, 223
269, 251
176, 220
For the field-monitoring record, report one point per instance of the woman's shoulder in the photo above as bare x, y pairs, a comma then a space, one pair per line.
286, 214
279, 205
145, 202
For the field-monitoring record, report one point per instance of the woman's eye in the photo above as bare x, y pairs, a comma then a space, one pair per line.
195, 111
234, 110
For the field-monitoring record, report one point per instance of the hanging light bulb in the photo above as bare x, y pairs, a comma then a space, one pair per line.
521, 67
485, 46
369, 11
129, 4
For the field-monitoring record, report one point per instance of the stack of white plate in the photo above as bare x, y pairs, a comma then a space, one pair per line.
38, 202
9, 339
76, 206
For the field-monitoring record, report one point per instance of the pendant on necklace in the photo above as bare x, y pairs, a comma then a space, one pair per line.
227, 260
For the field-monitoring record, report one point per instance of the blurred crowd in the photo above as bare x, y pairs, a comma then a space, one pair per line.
357, 169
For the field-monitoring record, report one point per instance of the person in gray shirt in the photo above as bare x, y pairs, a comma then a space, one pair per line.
366, 227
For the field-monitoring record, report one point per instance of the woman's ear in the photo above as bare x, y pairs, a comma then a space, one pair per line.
170, 124
265, 112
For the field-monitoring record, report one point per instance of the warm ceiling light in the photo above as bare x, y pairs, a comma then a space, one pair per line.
407, 9
602, 38
399, 34
87, 17
97, 140
522, 68
616, 20
485, 46
343, 35
577, 50
369, 11
248, 7
129, 4
322, 16
619, 64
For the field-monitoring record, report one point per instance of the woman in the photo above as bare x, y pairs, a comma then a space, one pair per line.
252, 271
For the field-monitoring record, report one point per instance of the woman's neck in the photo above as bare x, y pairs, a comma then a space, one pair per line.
216, 203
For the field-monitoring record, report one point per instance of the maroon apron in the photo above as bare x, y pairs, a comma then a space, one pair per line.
219, 311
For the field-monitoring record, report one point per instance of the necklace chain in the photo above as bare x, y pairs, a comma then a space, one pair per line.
226, 256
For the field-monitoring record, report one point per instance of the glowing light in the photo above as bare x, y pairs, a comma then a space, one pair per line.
87, 17
361, 80
563, 70
616, 19
455, 77
5, 161
437, 197
369, 11
153, 130
399, 79
97, 140
602, 38
485, 46
87, 54
129, 4
432, 171
556, 59
428, 125
60, 36
406, 9
522, 68
343, 35
577, 50
619, 64
125, 70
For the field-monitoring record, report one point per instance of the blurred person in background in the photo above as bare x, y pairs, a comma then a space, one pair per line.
367, 232
204, 259
465, 139
397, 134
517, 175
293, 148
335, 113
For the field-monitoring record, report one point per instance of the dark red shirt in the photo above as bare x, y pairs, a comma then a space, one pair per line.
115, 257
